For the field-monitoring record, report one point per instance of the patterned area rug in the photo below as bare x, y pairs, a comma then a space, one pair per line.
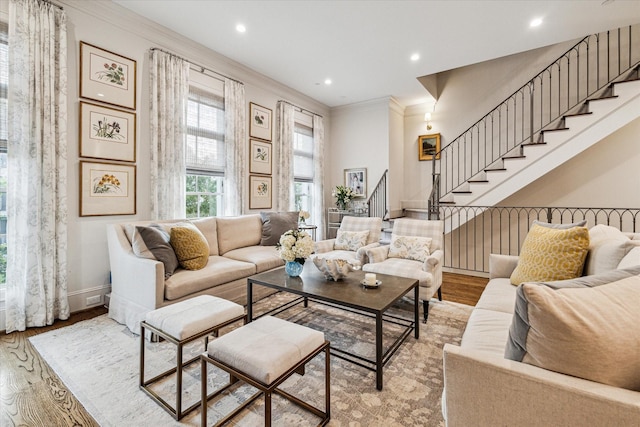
98, 360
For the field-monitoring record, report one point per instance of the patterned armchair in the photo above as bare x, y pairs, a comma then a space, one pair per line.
415, 252
355, 236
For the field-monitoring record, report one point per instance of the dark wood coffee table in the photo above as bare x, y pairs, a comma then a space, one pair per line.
347, 294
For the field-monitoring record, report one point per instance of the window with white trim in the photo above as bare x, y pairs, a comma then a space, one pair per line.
303, 167
205, 149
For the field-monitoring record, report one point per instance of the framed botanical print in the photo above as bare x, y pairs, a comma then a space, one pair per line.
107, 189
356, 179
260, 160
428, 145
259, 192
106, 133
260, 122
107, 77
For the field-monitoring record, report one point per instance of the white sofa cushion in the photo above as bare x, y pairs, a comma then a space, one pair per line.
264, 257
498, 295
487, 331
238, 232
208, 228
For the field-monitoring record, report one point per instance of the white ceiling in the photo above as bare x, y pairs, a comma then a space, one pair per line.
364, 46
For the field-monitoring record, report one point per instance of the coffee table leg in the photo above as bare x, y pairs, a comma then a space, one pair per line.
249, 301
379, 351
416, 311
306, 302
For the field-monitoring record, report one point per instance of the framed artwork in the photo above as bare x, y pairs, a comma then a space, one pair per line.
107, 77
260, 124
428, 145
260, 160
259, 192
107, 189
106, 133
356, 179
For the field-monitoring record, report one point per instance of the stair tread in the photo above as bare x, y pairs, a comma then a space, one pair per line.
533, 143
601, 98
584, 113
513, 157
553, 130
494, 170
461, 192
478, 180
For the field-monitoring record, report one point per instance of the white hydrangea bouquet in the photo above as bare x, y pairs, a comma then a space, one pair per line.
295, 245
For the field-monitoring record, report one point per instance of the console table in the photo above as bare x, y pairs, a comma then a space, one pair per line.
334, 218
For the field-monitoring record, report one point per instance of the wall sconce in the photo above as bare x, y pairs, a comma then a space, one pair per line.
427, 118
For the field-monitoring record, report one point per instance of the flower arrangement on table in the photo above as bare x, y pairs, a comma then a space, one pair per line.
295, 246
303, 216
343, 196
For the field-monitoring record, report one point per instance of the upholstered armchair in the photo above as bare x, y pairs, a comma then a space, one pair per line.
354, 237
415, 252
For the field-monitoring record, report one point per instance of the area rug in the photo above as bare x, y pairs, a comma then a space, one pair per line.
98, 360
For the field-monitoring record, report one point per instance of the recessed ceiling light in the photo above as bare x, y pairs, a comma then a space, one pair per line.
415, 56
535, 22
241, 28
100, 94
328, 82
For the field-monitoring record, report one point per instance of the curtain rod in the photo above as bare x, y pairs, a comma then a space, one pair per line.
300, 108
193, 64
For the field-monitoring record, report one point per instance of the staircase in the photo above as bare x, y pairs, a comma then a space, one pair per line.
562, 111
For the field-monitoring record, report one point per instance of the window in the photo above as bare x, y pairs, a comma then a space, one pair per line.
205, 153
4, 83
303, 167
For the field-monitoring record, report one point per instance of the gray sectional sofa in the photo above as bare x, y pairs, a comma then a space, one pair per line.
138, 284
483, 388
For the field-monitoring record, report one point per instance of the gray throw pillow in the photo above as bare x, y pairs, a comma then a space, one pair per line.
560, 226
153, 243
275, 224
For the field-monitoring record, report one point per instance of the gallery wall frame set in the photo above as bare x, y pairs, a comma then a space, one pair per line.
260, 160
107, 77
260, 190
428, 145
107, 188
107, 133
260, 122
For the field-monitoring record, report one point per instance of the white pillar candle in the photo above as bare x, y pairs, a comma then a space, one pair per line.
370, 278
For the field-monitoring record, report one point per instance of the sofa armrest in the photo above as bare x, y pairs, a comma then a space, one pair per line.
377, 254
137, 283
501, 266
433, 260
361, 253
483, 389
324, 246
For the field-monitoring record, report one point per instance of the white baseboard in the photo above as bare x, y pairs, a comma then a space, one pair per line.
77, 301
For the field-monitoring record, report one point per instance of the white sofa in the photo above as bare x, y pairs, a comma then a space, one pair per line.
138, 284
482, 388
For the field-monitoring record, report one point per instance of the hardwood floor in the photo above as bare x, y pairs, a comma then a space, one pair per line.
31, 394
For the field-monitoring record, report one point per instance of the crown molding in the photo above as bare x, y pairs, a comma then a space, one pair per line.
164, 38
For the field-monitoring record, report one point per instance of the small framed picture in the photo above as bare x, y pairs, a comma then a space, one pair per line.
259, 192
260, 122
107, 189
106, 133
428, 145
260, 160
107, 77
356, 179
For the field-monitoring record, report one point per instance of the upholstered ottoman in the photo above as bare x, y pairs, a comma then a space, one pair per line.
180, 324
264, 353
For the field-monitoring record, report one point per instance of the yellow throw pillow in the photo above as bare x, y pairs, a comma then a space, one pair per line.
190, 246
551, 254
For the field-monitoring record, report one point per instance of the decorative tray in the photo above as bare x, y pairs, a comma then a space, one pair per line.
378, 283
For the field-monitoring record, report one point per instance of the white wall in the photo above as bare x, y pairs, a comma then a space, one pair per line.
605, 175
359, 139
114, 28
396, 159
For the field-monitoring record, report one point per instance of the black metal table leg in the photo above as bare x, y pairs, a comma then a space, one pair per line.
379, 350
249, 300
416, 309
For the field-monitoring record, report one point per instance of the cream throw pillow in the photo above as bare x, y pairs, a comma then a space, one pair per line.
589, 333
190, 245
551, 254
410, 247
350, 240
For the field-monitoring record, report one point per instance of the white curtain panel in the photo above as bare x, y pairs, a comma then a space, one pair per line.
318, 174
285, 117
169, 93
37, 171
235, 148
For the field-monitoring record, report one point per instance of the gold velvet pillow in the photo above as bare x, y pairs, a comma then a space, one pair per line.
551, 254
190, 246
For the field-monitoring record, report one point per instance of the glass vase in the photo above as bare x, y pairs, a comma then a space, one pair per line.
293, 268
